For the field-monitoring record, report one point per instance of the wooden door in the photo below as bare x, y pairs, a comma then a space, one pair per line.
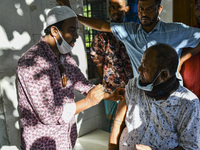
184, 11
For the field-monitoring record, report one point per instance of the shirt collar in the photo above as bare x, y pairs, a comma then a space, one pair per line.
48, 51
172, 100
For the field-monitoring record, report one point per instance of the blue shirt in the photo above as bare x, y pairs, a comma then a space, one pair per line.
136, 40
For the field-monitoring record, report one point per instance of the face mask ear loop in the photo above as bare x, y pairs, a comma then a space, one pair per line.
60, 34
64, 47
156, 78
56, 40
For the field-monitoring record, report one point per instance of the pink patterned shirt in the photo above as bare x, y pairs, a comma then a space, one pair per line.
42, 99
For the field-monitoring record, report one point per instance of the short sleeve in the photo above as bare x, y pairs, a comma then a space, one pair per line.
119, 30
190, 36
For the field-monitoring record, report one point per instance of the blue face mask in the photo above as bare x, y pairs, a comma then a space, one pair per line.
148, 87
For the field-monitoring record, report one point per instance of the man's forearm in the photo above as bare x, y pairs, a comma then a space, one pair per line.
96, 24
93, 23
188, 53
118, 126
82, 105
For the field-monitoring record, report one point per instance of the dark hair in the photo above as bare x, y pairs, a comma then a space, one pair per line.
158, 2
167, 57
59, 25
196, 2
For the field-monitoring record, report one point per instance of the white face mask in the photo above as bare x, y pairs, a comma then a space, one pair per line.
64, 48
148, 87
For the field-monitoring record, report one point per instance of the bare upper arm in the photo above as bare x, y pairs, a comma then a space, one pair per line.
94, 23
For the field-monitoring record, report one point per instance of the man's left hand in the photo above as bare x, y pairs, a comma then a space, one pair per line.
142, 147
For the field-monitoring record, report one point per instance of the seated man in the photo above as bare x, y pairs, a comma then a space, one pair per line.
159, 113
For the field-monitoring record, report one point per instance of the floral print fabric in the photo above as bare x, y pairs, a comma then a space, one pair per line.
117, 69
42, 97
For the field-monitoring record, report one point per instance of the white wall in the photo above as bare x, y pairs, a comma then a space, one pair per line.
21, 25
167, 12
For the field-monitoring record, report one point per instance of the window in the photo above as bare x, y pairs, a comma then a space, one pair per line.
96, 9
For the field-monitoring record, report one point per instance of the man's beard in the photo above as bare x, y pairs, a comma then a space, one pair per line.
152, 22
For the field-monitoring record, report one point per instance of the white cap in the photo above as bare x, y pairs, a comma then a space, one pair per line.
59, 13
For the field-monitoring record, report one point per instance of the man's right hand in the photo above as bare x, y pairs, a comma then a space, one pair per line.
95, 95
64, 2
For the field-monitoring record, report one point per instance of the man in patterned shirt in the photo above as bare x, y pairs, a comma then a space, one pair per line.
47, 77
159, 113
111, 59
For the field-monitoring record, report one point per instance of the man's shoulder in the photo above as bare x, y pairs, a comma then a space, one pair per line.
173, 25
185, 95
31, 54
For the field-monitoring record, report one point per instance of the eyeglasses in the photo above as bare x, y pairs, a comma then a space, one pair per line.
148, 9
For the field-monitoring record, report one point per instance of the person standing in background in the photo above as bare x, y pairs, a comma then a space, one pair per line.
150, 30
111, 59
190, 70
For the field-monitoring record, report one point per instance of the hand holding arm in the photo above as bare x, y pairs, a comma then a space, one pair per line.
117, 95
94, 96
